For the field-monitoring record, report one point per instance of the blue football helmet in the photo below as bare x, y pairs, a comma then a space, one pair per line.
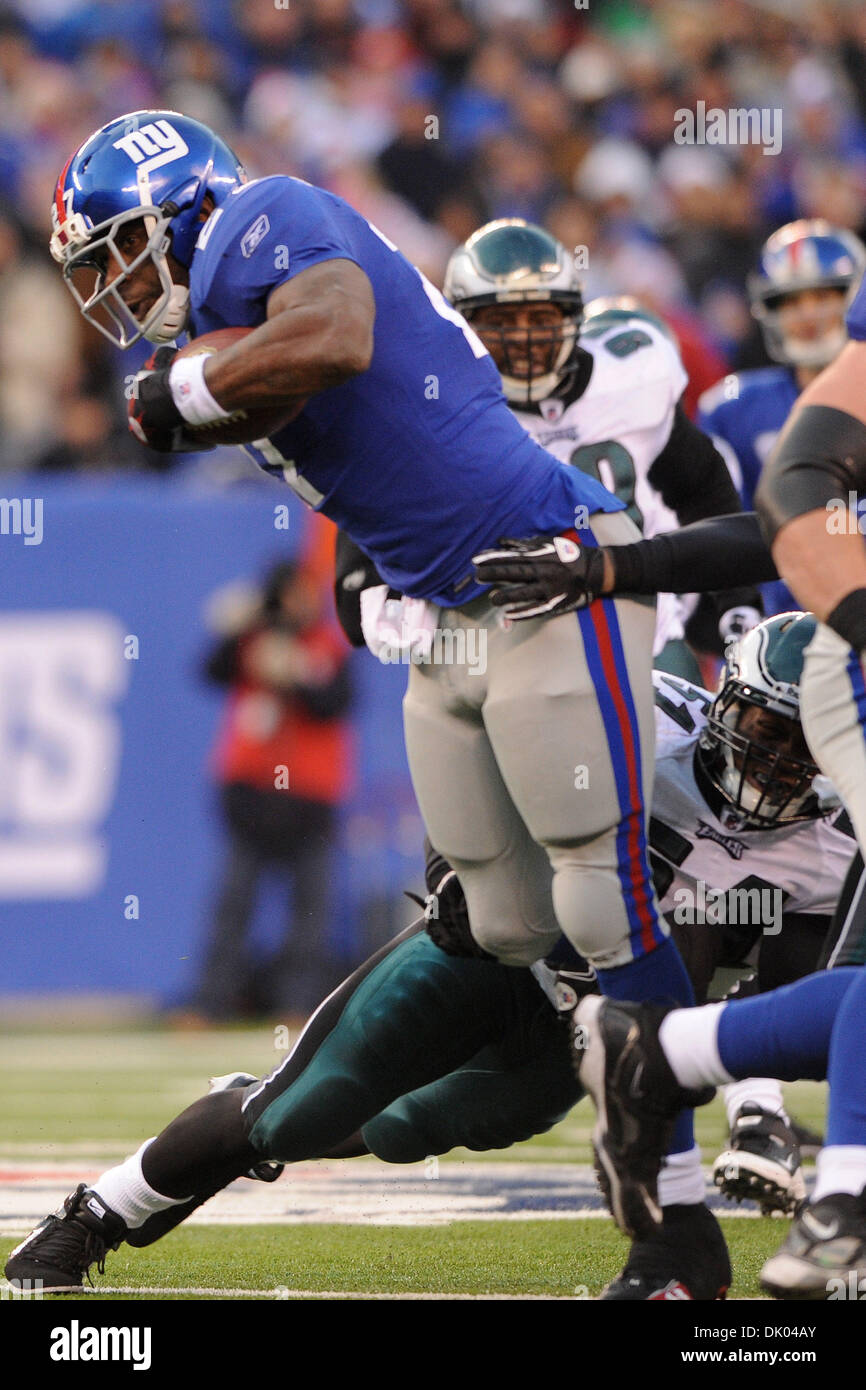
805, 255
152, 165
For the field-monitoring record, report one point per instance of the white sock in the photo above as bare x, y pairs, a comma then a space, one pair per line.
761, 1090
125, 1191
681, 1179
841, 1168
688, 1039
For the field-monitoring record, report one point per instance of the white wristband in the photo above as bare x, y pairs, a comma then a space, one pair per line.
190, 393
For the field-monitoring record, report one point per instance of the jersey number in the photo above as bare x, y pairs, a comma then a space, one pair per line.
681, 714
619, 469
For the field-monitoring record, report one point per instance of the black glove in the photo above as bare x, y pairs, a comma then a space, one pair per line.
153, 417
542, 576
447, 920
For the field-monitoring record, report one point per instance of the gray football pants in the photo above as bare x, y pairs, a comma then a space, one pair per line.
833, 711
530, 748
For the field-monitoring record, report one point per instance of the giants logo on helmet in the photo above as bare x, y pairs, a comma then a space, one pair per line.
157, 143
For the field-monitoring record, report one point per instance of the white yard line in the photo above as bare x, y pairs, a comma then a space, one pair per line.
284, 1295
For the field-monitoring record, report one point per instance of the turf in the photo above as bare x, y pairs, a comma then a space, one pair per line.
553, 1259
95, 1096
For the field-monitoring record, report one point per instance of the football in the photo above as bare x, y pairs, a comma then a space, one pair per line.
243, 426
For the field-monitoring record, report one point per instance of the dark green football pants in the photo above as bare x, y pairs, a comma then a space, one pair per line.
419, 1052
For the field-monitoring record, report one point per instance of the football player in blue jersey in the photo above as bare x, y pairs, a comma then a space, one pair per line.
807, 275
531, 773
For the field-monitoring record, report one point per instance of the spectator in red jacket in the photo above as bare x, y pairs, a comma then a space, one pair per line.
283, 763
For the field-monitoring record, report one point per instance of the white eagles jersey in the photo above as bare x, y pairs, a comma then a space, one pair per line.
699, 861
619, 425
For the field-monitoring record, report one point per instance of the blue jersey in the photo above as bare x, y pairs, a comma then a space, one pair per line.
745, 414
419, 458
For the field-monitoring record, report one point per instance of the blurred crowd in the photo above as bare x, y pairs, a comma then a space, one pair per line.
430, 117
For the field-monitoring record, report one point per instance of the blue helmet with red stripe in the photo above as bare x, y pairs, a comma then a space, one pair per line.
155, 166
806, 255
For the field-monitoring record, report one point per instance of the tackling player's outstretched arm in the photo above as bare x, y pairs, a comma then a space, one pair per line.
719, 552
318, 334
821, 456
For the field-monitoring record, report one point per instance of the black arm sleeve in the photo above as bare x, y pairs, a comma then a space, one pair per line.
819, 456
694, 482
720, 553
354, 571
691, 474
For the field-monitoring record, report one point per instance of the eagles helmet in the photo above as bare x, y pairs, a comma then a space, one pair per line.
152, 165
608, 310
513, 262
764, 783
806, 255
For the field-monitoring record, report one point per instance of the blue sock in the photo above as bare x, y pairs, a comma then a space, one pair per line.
785, 1033
846, 1117
659, 976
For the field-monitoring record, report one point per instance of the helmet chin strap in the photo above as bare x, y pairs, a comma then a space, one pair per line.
173, 319
523, 391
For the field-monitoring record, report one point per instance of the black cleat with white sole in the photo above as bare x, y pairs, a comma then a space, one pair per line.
824, 1256
618, 1059
762, 1162
685, 1260
57, 1256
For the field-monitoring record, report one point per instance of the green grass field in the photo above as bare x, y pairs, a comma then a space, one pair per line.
82, 1100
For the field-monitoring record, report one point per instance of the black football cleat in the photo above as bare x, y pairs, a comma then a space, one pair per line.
57, 1256
618, 1059
824, 1256
684, 1260
762, 1162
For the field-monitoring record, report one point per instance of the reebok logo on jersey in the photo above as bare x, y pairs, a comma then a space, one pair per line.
735, 848
254, 234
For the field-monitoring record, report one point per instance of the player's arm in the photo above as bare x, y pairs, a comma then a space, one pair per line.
691, 475
715, 554
818, 459
318, 334
695, 482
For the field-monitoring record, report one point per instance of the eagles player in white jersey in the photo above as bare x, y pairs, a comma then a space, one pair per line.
735, 806
599, 387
